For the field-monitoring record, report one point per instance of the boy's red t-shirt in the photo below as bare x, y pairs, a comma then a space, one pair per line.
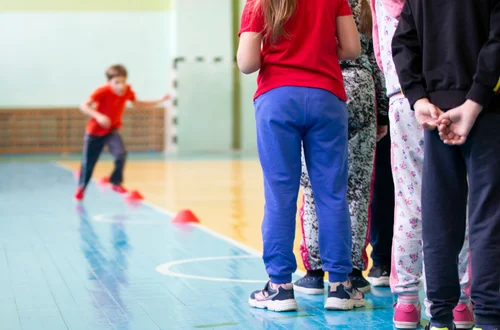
308, 58
110, 104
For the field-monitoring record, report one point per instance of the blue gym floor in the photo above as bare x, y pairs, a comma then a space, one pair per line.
107, 265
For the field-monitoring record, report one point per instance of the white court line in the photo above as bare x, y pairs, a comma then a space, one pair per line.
209, 231
133, 219
164, 269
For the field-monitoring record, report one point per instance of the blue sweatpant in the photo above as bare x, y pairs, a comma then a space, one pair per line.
92, 149
286, 117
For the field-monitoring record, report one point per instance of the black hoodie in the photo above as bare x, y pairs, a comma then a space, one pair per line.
449, 51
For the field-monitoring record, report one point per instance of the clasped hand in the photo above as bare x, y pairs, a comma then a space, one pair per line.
454, 125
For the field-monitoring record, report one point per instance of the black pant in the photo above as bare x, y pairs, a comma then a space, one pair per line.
382, 205
92, 149
444, 202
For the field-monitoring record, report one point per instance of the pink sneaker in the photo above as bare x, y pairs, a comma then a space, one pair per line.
406, 316
463, 316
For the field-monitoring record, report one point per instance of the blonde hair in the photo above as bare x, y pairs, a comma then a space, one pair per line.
275, 14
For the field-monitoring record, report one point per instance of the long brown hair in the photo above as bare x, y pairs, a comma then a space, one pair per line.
365, 19
275, 13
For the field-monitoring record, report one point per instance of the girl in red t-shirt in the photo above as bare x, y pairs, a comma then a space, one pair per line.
300, 100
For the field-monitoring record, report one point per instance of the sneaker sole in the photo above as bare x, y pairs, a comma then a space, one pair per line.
301, 289
465, 325
406, 325
335, 304
379, 281
364, 289
276, 306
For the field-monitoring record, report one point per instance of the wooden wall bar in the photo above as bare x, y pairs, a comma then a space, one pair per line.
62, 130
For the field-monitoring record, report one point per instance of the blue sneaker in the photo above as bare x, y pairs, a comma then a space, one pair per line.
310, 285
274, 297
344, 297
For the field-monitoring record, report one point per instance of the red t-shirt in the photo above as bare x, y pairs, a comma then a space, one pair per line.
309, 57
110, 104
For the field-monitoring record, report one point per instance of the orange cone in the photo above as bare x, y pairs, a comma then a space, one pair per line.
184, 217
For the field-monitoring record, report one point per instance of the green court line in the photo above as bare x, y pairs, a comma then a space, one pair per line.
88, 5
216, 325
235, 4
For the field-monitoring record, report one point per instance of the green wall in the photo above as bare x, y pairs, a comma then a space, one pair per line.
205, 115
248, 88
55, 52
87, 5
215, 103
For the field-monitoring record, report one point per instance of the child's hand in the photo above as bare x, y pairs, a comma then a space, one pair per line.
381, 132
166, 97
103, 121
455, 124
427, 114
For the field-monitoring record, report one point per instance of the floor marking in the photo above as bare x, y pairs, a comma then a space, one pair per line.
165, 269
216, 325
295, 316
213, 233
209, 231
129, 219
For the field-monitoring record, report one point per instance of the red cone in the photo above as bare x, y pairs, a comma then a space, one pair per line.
135, 196
104, 180
185, 216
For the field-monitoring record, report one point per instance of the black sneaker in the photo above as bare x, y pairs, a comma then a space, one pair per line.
344, 297
310, 285
379, 276
429, 327
359, 282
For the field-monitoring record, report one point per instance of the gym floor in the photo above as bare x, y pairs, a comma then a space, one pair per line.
109, 264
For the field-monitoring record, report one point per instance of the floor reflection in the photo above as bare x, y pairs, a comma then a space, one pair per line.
107, 268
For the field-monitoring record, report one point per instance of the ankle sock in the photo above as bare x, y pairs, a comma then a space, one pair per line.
409, 298
315, 273
464, 300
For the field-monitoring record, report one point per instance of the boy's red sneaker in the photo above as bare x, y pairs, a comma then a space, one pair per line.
79, 194
119, 189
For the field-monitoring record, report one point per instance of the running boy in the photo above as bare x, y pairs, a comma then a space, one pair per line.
301, 99
105, 108
447, 55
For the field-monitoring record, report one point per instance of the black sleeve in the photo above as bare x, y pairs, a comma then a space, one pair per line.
487, 77
407, 56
